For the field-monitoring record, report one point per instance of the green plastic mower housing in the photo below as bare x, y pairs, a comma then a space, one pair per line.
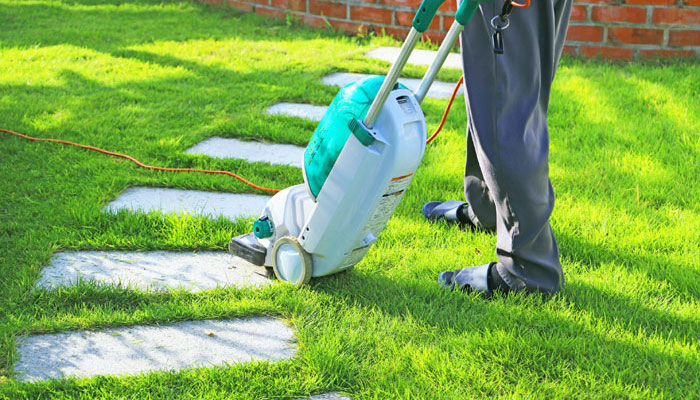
350, 104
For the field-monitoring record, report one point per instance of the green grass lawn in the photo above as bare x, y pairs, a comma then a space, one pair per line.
152, 78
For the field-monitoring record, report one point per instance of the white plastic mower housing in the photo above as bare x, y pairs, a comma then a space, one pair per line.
333, 233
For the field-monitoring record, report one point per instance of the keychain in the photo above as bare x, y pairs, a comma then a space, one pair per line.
501, 22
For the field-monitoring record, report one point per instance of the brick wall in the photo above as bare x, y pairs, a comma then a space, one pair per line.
621, 29
635, 28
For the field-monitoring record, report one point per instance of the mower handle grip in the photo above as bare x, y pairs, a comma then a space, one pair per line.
428, 8
425, 14
466, 10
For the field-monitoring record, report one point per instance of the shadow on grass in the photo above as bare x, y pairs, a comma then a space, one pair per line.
552, 336
107, 25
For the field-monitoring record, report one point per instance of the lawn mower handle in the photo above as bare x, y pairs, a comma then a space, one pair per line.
425, 14
428, 8
422, 20
464, 14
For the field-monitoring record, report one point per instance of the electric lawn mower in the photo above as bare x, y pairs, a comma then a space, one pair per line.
356, 168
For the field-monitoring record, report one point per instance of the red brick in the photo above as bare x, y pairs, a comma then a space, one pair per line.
406, 19
578, 13
569, 50
635, 15
291, 5
605, 52
327, 8
695, 3
447, 23
635, 35
263, 2
269, 12
582, 33
449, 5
684, 38
403, 18
596, 1
683, 16
312, 21
666, 53
402, 3
369, 14
240, 5
398, 33
214, 2
433, 37
650, 2
346, 26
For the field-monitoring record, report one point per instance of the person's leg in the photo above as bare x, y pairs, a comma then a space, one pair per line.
507, 98
480, 209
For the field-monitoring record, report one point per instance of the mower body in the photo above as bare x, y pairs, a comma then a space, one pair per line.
338, 226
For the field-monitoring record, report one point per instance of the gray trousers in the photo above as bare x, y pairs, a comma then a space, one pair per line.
506, 181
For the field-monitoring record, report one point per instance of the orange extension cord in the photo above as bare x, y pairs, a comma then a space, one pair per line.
206, 171
447, 111
142, 165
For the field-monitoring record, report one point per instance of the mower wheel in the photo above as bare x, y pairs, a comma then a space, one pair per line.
290, 262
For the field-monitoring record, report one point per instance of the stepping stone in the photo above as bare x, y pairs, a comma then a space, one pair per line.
439, 90
210, 204
417, 57
307, 111
217, 147
328, 396
157, 270
137, 349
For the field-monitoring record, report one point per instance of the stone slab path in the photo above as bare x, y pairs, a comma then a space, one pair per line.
328, 396
283, 154
197, 202
439, 90
307, 111
159, 270
417, 57
135, 349
141, 348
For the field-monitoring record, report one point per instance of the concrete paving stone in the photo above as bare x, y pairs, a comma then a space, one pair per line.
307, 111
328, 396
210, 204
418, 57
157, 270
439, 90
137, 349
217, 147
